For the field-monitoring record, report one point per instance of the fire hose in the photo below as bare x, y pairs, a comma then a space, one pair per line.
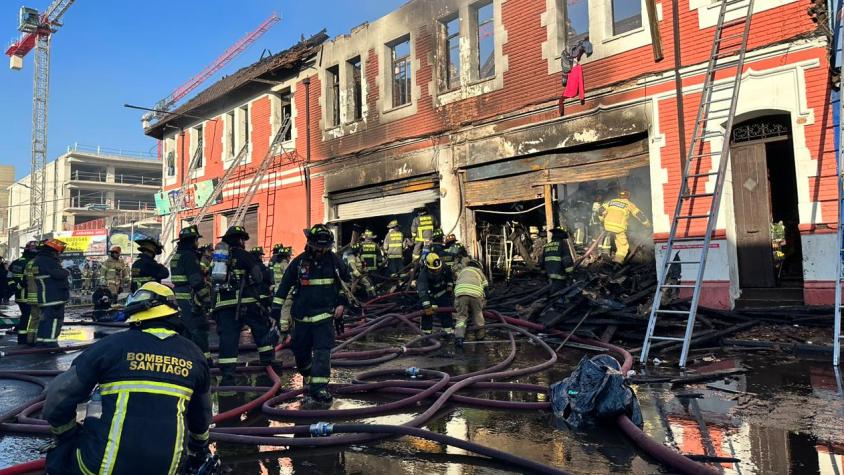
414, 385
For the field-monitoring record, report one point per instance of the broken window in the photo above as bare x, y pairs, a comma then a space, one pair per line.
357, 88
402, 73
577, 21
452, 53
626, 16
244, 125
198, 150
286, 99
230, 134
486, 41
333, 79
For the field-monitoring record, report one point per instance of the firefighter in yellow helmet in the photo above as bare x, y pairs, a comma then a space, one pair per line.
616, 214
435, 287
151, 408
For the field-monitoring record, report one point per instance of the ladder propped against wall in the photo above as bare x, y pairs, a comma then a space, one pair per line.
839, 149
173, 218
697, 206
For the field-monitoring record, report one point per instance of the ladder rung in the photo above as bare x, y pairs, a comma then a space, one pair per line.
694, 216
708, 154
707, 135
667, 338
678, 286
682, 262
688, 239
698, 175
673, 312
725, 38
698, 195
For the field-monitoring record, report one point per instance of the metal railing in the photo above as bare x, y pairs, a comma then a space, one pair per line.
111, 152
121, 178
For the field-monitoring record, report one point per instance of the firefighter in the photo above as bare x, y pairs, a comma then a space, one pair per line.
394, 248
370, 252
279, 262
114, 272
456, 254
469, 295
86, 277
46, 279
537, 244
237, 304
16, 270
145, 268
357, 268
265, 298
557, 259
193, 294
313, 282
435, 287
151, 410
205, 254
615, 214
422, 228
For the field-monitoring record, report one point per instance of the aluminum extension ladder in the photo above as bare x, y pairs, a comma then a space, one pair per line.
837, 336
173, 218
717, 105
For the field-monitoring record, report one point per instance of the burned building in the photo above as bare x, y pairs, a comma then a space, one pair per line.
456, 106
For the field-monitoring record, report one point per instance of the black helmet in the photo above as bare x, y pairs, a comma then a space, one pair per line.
257, 251
319, 237
189, 232
437, 235
150, 244
236, 232
559, 233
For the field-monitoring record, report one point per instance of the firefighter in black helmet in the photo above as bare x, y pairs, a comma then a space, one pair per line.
145, 268
314, 282
151, 410
266, 298
16, 270
237, 303
557, 259
192, 292
47, 280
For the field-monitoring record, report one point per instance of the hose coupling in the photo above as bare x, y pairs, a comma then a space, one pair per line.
321, 429
413, 372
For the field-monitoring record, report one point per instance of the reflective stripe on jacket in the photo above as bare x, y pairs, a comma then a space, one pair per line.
618, 213
394, 245
470, 282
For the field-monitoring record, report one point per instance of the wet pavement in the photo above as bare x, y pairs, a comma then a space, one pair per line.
783, 416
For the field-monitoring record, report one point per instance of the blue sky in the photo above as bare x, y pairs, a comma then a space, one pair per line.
115, 52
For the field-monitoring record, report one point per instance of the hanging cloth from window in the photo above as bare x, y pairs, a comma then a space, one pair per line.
573, 82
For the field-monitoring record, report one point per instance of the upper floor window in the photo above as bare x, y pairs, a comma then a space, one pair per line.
230, 137
486, 41
577, 20
626, 16
356, 80
401, 72
244, 125
332, 76
286, 99
199, 150
452, 56
171, 163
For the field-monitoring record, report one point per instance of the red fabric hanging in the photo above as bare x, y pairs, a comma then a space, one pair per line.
574, 86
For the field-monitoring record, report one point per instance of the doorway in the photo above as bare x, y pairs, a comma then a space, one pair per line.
765, 200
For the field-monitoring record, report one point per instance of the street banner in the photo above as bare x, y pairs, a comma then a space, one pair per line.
89, 242
162, 204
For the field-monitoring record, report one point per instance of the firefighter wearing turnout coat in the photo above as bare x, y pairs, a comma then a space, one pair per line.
237, 304
616, 215
193, 295
47, 281
114, 272
394, 248
151, 410
470, 296
422, 229
279, 262
435, 286
557, 259
313, 282
145, 268
18, 282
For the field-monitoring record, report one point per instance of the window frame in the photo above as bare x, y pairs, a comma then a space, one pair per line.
231, 135
450, 83
354, 67
478, 26
199, 131
244, 125
612, 21
569, 39
332, 75
405, 61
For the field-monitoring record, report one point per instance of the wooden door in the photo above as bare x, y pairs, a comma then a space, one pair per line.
753, 216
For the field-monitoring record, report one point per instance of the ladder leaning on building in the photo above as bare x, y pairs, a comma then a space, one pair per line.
717, 104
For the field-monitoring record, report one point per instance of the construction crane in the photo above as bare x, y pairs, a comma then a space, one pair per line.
164, 105
36, 32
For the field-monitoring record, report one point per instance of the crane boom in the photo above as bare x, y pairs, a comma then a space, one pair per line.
37, 30
232, 52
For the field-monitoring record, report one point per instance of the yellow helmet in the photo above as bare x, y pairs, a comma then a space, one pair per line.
151, 301
433, 262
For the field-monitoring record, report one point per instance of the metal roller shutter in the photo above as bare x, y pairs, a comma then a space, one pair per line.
384, 206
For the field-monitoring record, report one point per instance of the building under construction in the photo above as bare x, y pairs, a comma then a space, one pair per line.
464, 115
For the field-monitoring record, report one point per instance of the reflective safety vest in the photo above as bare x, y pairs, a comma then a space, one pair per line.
16, 271
278, 268
114, 272
470, 282
146, 269
425, 228
369, 254
395, 245
618, 212
188, 278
